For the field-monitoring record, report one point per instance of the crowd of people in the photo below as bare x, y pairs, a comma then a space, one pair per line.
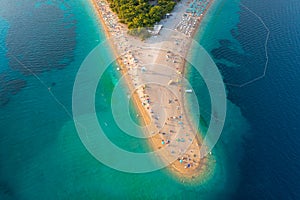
174, 131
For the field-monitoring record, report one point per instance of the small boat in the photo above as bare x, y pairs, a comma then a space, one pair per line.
189, 91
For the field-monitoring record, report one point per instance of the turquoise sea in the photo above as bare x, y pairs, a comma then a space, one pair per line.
44, 42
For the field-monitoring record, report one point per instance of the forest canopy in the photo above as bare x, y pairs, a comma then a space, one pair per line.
140, 13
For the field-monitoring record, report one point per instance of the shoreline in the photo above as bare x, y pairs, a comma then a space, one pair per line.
199, 170
135, 99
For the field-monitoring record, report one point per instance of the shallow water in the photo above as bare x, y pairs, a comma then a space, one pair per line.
42, 156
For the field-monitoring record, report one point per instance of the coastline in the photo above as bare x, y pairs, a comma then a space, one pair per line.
180, 172
135, 99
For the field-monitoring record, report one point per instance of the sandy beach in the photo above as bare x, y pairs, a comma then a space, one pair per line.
153, 70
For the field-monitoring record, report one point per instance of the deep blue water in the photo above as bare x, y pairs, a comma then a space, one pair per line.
271, 162
269, 167
42, 157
